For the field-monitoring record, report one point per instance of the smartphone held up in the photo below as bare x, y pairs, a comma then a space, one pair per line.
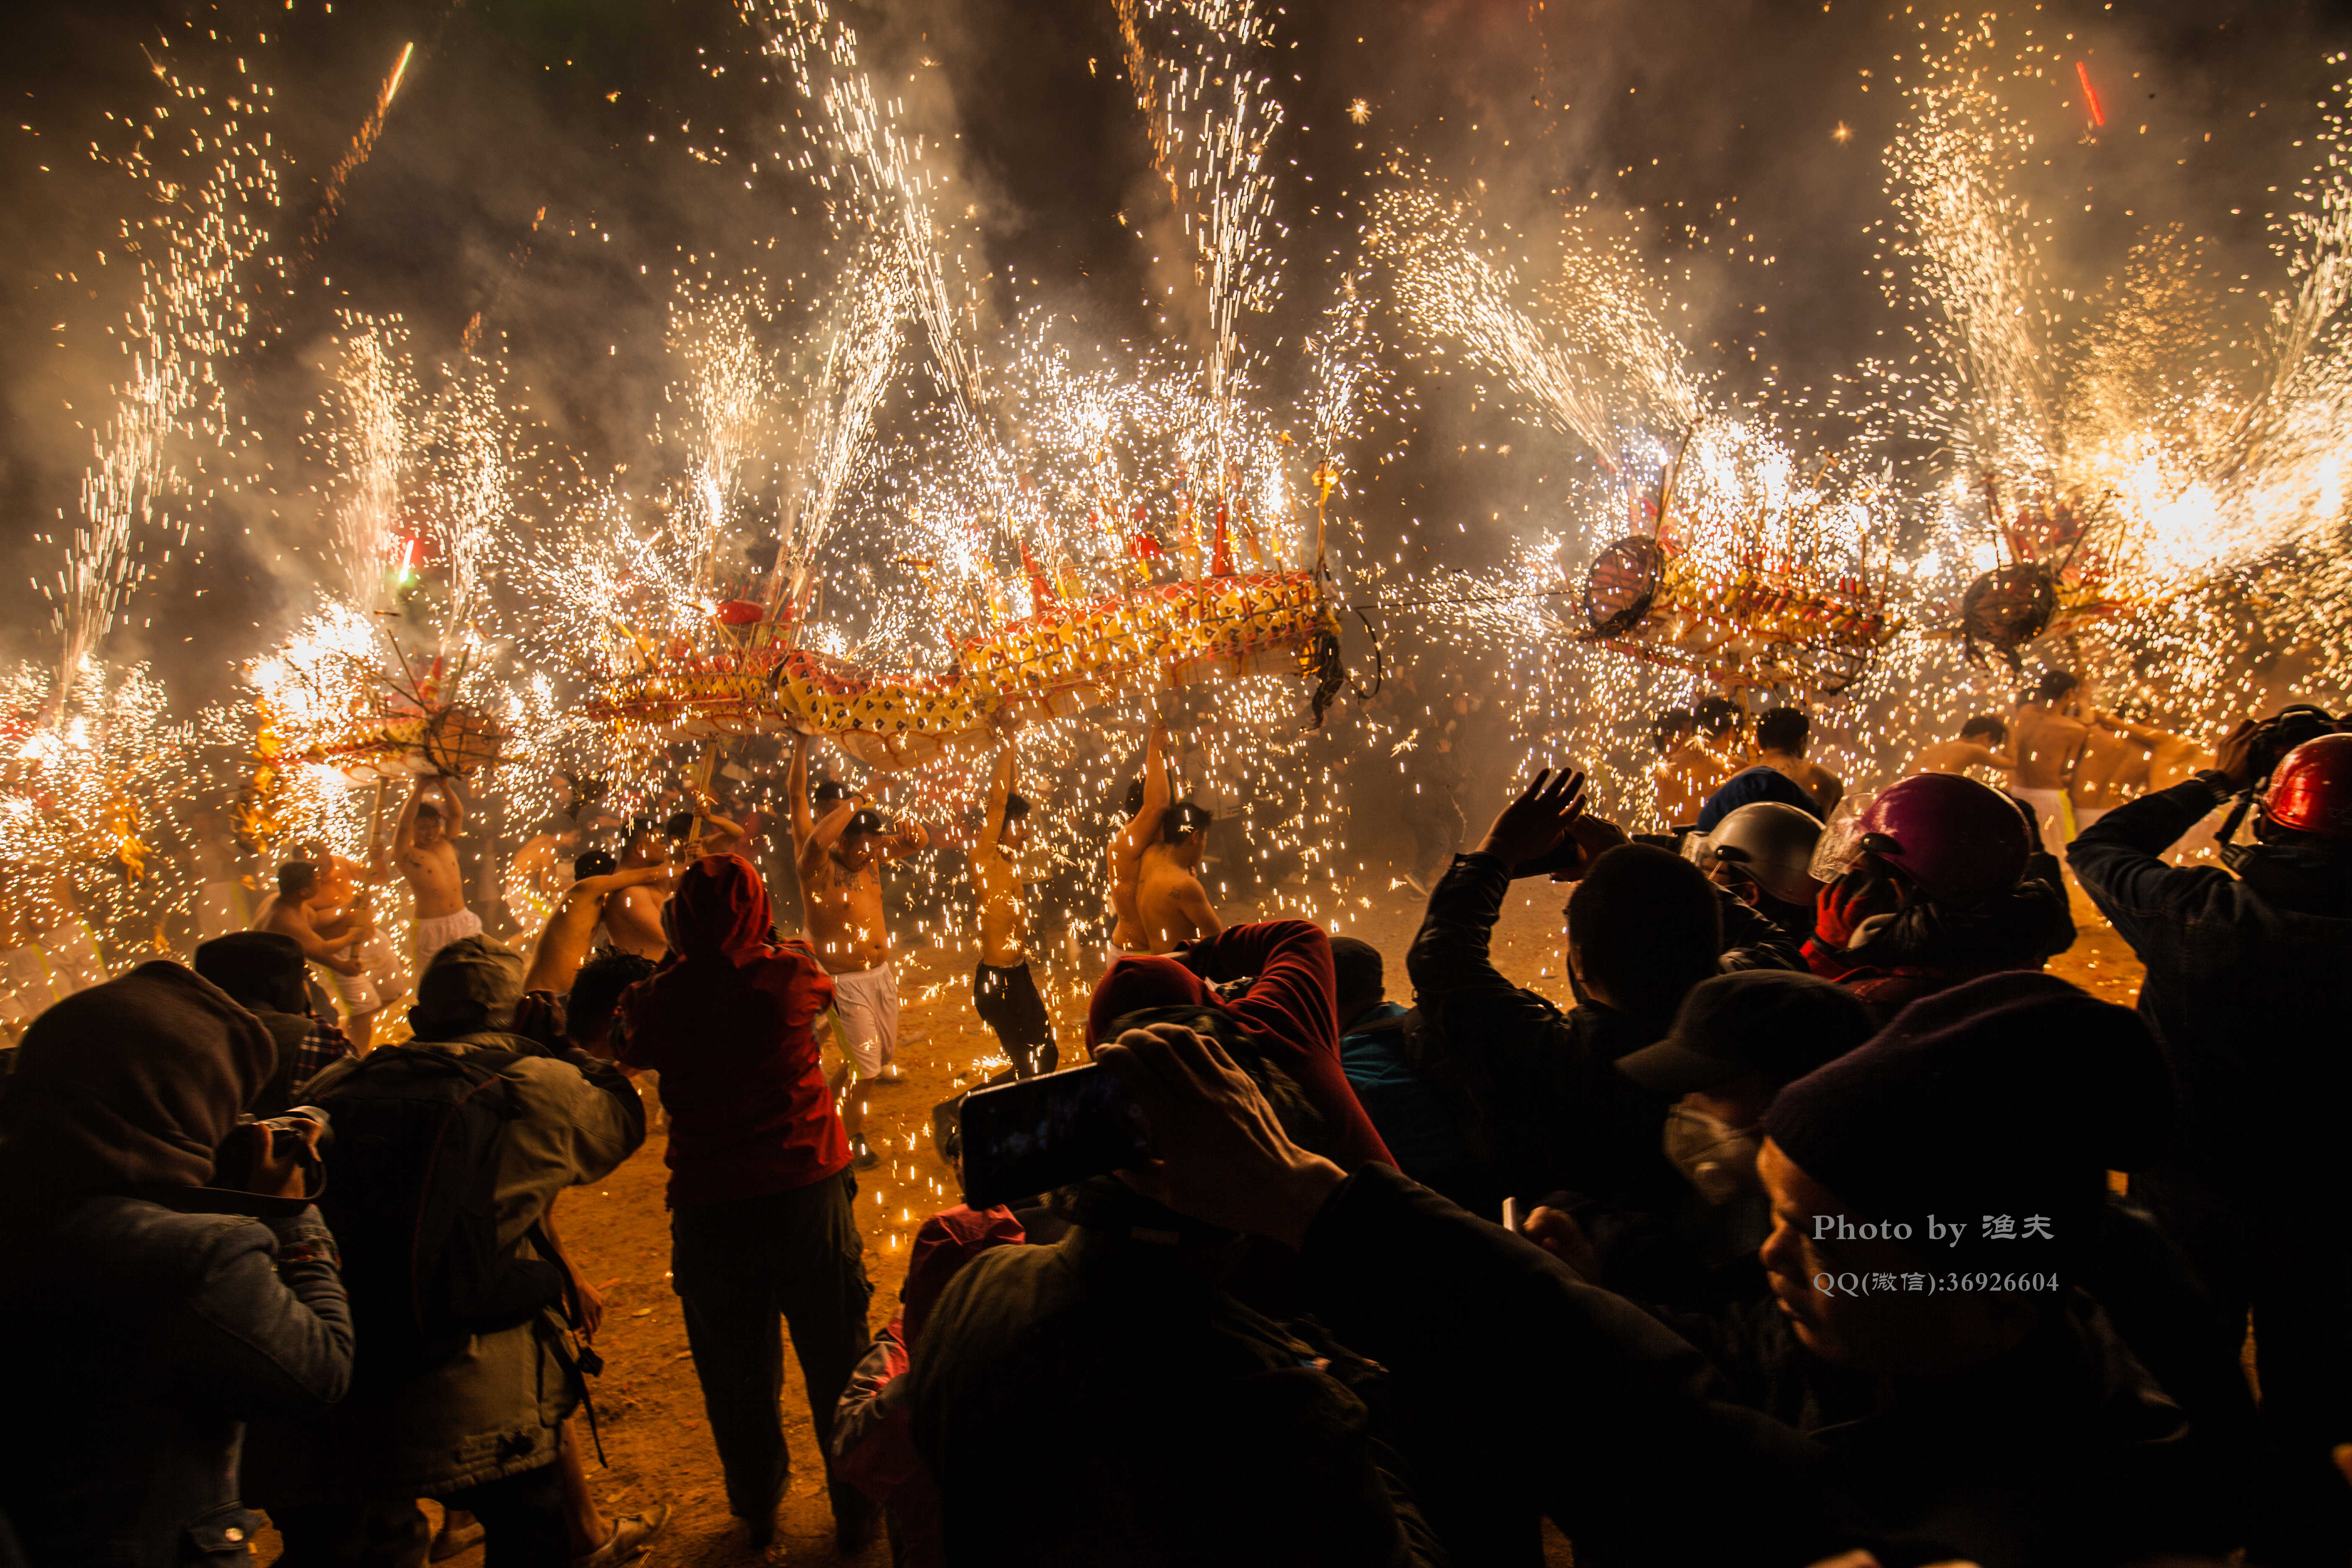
1031, 1135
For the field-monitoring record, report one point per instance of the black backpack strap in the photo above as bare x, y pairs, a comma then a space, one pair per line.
575, 1356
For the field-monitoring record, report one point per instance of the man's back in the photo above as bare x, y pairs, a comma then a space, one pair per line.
2113, 769
1169, 901
1179, 1426
2048, 742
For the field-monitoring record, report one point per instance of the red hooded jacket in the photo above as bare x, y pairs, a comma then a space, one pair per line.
726, 1020
1290, 1005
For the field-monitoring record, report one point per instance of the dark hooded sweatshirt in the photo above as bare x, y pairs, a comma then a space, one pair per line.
726, 1021
153, 1315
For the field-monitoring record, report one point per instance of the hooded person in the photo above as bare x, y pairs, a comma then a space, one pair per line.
470, 1416
159, 1313
873, 1436
1288, 1005
760, 1186
265, 973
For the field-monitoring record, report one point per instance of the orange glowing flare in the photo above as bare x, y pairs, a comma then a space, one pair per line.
2090, 93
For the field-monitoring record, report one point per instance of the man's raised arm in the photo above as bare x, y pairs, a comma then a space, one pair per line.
404, 831
1000, 790
796, 793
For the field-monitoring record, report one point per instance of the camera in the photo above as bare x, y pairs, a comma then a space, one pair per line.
2282, 732
232, 1165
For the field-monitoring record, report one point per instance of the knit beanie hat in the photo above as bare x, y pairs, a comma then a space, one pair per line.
2007, 1098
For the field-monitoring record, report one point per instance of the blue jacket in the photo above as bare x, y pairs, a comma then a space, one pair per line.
145, 1338
2245, 988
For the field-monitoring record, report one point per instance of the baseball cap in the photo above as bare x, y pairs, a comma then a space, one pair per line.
1773, 1022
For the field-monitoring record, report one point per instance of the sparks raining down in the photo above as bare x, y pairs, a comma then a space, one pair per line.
212, 196
2119, 467
1744, 569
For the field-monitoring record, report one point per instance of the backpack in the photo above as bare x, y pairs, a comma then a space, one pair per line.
411, 1200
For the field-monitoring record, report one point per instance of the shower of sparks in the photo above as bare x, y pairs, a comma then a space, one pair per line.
890, 181
213, 184
1595, 360
2206, 479
1195, 66
90, 807
473, 562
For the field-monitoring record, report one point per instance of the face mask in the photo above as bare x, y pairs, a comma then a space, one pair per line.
1718, 1160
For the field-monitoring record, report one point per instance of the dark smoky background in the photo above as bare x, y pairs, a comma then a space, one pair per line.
548, 170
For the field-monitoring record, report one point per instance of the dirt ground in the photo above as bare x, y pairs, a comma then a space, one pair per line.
648, 1405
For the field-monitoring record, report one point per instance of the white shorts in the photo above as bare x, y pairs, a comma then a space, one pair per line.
378, 982
2086, 815
868, 999
434, 934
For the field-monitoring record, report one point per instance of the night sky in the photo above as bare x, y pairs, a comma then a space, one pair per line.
1707, 129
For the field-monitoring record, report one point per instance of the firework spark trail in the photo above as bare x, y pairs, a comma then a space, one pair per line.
361, 148
371, 450
860, 342
1210, 113
1598, 365
1952, 175
1341, 367
728, 376
209, 223
887, 176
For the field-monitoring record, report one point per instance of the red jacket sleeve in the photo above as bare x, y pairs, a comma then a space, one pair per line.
1294, 1007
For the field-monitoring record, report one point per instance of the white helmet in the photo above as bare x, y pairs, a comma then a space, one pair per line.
1771, 844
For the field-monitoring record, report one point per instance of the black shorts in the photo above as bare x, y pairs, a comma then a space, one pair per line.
1006, 1000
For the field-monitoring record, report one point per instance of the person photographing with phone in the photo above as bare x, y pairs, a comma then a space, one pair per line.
159, 1311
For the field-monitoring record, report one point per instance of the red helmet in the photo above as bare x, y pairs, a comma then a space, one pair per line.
2311, 789
1956, 839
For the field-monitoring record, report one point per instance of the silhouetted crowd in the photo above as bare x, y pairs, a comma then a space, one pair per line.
1809, 1222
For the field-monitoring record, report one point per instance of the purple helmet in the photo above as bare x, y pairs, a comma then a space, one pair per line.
1956, 839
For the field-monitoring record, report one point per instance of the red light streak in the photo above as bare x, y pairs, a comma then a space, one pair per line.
2090, 93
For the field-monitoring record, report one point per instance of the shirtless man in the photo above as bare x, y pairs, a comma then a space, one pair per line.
1004, 991
1718, 740
2050, 733
1127, 845
1781, 734
571, 931
1168, 899
1977, 747
292, 914
2118, 764
421, 848
340, 909
632, 912
840, 862
1674, 777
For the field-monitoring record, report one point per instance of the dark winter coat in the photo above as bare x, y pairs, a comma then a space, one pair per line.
147, 1336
